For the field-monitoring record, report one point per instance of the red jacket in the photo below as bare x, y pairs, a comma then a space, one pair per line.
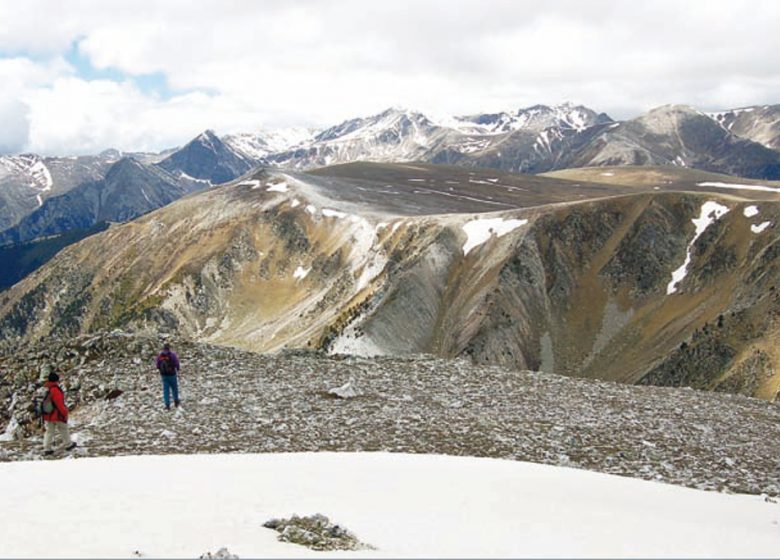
60, 412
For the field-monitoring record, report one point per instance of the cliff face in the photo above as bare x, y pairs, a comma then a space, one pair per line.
666, 288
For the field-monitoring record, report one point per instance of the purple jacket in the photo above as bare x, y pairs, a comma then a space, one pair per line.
174, 359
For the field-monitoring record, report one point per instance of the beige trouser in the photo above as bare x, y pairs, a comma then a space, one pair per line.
53, 428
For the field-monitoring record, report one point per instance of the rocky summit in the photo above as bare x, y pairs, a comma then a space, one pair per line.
234, 401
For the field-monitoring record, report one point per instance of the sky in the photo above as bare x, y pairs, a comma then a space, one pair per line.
81, 76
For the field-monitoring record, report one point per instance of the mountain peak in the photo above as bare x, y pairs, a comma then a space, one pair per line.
536, 118
123, 165
666, 118
207, 137
206, 157
673, 108
399, 110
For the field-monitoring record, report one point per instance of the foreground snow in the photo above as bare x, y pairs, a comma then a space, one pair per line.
405, 505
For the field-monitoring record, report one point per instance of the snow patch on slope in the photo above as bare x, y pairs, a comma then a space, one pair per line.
301, 273
760, 227
750, 211
183, 175
278, 187
330, 213
258, 145
253, 184
738, 186
710, 212
480, 230
33, 167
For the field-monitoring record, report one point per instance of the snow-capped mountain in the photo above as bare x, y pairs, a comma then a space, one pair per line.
547, 138
536, 118
392, 135
760, 123
258, 145
129, 189
31, 167
403, 135
27, 180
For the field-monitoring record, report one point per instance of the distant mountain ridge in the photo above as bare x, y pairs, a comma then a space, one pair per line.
128, 190
547, 138
743, 142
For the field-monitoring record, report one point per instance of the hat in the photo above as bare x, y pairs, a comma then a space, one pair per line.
53, 377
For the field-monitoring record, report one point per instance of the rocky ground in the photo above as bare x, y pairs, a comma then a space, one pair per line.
237, 402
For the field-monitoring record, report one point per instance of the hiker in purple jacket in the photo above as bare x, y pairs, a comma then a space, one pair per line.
168, 366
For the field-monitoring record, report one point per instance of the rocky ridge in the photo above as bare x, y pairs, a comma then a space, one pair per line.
238, 402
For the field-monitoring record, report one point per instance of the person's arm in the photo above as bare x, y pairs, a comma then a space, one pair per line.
58, 398
157, 362
176, 364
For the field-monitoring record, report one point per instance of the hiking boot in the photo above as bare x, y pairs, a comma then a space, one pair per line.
167, 407
72, 445
176, 403
48, 452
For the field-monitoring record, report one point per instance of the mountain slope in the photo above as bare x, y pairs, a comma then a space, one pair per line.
667, 287
680, 135
128, 190
21, 259
256, 146
27, 180
758, 123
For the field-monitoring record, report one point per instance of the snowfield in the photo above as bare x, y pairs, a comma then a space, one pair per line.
404, 505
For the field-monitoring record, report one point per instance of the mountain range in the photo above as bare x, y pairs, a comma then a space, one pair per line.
742, 142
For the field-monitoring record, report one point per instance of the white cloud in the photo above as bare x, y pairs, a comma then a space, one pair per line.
78, 116
315, 63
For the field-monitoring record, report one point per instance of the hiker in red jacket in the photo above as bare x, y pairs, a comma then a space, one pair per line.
57, 420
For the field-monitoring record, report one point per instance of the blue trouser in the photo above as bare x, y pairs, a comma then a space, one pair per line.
170, 383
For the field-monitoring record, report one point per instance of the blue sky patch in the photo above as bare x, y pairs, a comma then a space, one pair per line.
154, 83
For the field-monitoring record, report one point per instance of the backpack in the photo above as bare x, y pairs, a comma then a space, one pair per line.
166, 365
46, 404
